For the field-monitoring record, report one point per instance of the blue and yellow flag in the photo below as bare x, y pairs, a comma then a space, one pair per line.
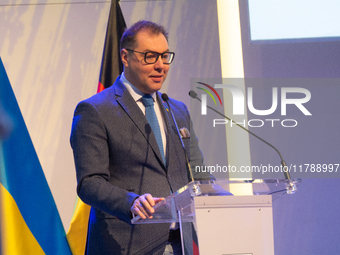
29, 219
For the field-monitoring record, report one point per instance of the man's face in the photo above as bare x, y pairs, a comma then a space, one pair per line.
148, 78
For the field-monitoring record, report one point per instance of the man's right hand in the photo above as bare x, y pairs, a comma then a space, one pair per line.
143, 205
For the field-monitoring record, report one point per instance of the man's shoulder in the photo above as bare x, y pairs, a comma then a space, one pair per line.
107, 95
101, 97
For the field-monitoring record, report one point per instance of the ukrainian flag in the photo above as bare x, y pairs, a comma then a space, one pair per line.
29, 219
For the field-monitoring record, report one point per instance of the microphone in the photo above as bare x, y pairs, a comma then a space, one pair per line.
166, 99
193, 94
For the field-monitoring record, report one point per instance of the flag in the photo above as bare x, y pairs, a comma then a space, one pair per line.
29, 219
77, 232
111, 63
111, 67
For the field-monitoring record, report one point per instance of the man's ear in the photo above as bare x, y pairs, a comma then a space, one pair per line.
124, 55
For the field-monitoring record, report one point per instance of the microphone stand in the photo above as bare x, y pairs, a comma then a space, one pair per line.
291, 185
196, 190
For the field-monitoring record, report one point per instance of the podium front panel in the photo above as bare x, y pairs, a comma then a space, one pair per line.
231, 225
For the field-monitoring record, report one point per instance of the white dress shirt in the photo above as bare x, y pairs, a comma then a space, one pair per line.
137, 96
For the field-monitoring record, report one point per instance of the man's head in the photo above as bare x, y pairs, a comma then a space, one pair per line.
142, 37
128, 40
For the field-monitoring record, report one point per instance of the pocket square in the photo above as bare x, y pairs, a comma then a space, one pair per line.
184, 132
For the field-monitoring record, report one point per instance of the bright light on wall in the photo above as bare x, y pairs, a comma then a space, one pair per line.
294, 19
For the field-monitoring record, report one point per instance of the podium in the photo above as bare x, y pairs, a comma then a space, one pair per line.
222, 223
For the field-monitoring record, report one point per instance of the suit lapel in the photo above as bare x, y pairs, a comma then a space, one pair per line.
165, 113
171, 134
175, 153
129, 105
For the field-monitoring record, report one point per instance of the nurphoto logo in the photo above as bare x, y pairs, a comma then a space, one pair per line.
295, 96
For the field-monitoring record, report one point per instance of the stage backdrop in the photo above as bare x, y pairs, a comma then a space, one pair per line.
52, 51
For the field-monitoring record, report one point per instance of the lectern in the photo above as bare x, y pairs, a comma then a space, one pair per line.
222, 223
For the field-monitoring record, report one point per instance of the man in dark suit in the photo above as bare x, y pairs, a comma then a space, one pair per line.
123, 167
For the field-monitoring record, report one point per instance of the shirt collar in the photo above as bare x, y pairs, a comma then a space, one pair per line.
135, 93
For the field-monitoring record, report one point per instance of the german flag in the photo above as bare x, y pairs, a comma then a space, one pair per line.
111, 63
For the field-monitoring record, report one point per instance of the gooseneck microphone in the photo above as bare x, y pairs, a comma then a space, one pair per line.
166, 99
193, 94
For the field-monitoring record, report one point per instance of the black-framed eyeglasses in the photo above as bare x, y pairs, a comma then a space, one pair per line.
151, 57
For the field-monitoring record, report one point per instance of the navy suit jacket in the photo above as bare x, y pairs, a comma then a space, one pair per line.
117, 159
